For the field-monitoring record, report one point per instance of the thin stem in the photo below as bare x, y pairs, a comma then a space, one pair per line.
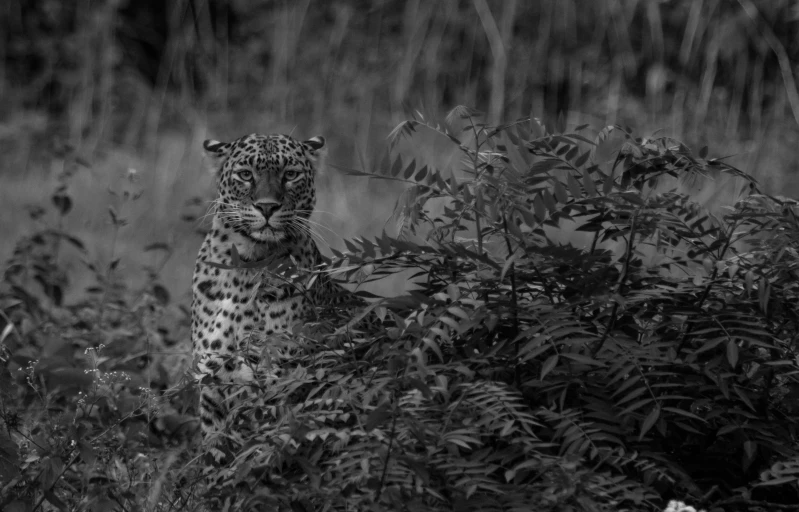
594, 242
514, 298
388, 455
619, 286
109, 272
479, 229
688, 330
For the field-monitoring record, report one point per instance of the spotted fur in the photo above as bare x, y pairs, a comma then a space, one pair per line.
266, 194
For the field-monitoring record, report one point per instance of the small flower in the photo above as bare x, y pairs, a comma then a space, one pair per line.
132, 175
679, 506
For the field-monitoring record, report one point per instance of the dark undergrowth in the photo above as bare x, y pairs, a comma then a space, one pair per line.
649, 355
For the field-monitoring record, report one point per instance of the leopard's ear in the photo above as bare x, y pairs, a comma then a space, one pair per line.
315, 146
217, 152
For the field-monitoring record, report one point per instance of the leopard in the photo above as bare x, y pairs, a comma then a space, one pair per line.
266, 194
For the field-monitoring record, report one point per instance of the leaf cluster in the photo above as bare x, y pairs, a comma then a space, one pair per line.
649, 354
87, 418
581, 335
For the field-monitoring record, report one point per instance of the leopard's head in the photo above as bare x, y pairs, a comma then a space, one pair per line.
266, 185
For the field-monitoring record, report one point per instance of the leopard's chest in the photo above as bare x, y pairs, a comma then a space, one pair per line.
235, 306
229, 304
279, 316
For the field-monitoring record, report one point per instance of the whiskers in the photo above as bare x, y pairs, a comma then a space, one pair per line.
228, 212
236, 217
310, 212
315, 226
303, 227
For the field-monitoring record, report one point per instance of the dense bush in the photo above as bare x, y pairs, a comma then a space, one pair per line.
583, 336
84, 404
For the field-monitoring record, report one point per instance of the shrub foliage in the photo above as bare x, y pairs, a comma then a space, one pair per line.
582, 335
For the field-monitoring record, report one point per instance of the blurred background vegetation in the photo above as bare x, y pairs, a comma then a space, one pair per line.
111, 98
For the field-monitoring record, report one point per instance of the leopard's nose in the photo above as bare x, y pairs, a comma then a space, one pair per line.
267, 208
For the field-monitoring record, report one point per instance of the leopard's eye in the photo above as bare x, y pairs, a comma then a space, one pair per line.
244, 175
291, 175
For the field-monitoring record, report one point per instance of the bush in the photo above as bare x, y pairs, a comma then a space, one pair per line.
646, 356
84, 405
